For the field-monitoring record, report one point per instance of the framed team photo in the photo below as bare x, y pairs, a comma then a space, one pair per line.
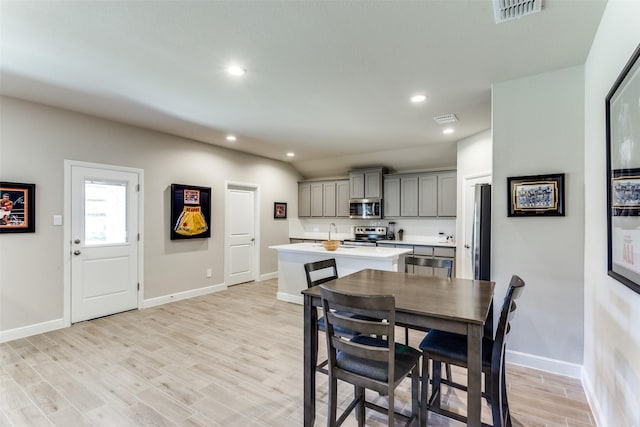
17, 207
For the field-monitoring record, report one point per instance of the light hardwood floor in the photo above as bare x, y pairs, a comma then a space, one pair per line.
232, 358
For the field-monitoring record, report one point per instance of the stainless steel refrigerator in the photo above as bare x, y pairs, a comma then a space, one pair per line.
481, 242
481, 233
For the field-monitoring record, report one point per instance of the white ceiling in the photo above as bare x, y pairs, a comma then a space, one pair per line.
329, 80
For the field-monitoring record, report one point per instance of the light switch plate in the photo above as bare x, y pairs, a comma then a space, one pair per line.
57, 220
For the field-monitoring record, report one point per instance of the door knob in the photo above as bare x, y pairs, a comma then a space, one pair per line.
77, 241
467, 246
76, 252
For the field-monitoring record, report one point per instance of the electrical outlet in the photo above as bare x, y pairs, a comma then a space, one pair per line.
209, 272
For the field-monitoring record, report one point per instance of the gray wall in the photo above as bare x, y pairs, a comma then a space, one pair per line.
612, 311
35, 141
538, 128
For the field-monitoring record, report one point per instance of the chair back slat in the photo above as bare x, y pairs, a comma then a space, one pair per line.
379, 354
324, 271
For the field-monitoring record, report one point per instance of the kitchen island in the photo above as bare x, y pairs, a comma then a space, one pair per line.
349, 259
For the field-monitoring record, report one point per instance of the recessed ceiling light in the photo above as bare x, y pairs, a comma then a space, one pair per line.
418, 98
231, 138
236, 70
447, 131
290, 154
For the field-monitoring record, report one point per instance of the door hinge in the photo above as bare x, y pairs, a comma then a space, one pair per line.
138, 237
138, 187
138, 286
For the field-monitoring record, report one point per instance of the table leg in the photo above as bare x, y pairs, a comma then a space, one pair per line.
474, 388
310, 360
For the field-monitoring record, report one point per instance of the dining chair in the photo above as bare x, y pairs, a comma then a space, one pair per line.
444, 265
317, 273
446, 347
370, 360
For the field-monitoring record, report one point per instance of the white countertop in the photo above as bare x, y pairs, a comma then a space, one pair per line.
346, 251
408, 240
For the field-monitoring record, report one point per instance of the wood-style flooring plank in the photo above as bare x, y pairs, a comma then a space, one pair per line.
232, 358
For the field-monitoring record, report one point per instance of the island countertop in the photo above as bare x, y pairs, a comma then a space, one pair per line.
345, 250
349, 259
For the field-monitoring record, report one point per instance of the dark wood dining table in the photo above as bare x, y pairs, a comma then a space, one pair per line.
455, 305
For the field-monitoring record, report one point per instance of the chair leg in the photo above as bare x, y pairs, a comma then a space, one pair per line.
415, 386
424, 415
333, 402
360, 408
436, 395
391, 411
447, 368
406, 336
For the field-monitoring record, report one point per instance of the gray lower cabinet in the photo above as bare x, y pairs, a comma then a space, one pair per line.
426, 252
328, 199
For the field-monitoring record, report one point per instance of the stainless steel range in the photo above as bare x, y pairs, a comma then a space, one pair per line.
367, 235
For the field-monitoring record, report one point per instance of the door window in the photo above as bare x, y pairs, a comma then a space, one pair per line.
105, 213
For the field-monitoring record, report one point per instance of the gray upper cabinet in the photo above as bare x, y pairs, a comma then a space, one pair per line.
366, 184
391, 199
342, 198
447, 186
323, 199
409, 196
420, 195
329, 199
428, 195
316, 198
304, 199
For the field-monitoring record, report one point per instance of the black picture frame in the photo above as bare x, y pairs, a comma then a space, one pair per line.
190, 212
622, 116
279, 210
17, 208
536, 195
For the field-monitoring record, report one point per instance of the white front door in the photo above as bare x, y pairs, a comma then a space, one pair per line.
104, 241
466, 272
240, 235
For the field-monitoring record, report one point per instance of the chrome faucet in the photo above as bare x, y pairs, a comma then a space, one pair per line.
334, 227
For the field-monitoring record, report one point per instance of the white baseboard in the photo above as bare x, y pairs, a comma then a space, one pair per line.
268, 276
554, 366
296, 299
165, 299
596, 410
35, 329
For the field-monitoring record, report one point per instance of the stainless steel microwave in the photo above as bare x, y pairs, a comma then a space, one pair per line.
365, 208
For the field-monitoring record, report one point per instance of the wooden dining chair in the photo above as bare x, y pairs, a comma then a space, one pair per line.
446, 347
370, 360
317, 273
437, 265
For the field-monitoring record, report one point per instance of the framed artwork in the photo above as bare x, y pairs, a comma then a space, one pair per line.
17, 207
190, 212
536, 195
279, 210
623, 175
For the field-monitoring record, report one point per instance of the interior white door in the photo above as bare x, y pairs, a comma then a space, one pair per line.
240, 229
104, 242
466, 272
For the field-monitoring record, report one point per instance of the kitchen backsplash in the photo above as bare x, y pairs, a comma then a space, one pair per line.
300, 227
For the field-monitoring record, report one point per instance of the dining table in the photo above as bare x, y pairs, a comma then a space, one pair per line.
456, 305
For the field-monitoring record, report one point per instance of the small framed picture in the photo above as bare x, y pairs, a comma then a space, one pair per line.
17, 207
279, 210
536, 195
190, 212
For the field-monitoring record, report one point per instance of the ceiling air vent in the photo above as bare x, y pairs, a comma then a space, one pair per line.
506, 10
445, 118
